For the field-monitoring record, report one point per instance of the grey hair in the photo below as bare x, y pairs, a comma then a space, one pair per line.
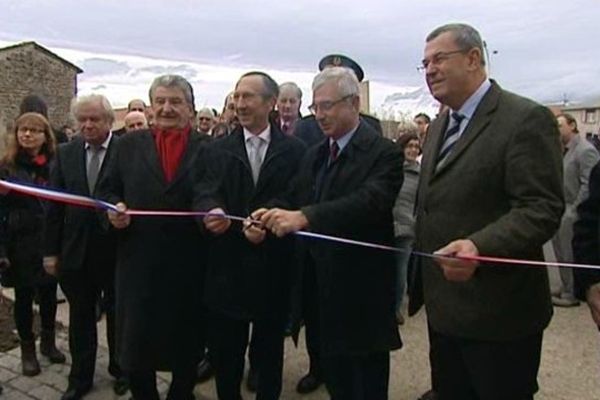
465, 36
134, 100
344, 79
406, 126
293, 86
173, 81
107, 109
205, 111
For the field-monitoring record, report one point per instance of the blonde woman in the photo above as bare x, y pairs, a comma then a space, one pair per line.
30, 149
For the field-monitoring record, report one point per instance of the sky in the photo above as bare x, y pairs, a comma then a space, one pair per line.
542, 49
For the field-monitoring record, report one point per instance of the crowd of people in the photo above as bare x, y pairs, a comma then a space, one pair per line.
494, 174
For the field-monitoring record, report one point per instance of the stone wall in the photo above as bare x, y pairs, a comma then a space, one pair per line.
26, 70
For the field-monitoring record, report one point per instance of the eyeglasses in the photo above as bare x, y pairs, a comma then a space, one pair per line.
327, 105
437, 59
33, 131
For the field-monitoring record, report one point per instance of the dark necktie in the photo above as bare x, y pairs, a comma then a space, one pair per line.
93, 167
285, 127
451, 137
334, 150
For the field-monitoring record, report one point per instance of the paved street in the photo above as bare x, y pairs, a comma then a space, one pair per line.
570, 366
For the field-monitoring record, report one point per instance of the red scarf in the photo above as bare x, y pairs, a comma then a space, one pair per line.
170, 145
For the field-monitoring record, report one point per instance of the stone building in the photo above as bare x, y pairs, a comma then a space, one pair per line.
28, 68
587, 116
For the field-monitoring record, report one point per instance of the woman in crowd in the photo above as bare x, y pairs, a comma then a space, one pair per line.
404, 219
30, 149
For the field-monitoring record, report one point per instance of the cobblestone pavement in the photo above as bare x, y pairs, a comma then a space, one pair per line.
569, 371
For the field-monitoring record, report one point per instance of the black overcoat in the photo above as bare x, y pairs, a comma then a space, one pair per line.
244, 280
21, 231
353, 200
160, 260
70, 230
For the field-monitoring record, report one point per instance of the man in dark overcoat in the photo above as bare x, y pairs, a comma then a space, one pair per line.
586, 246
80, 245
160, 259
308, 130
248, 270
346, 187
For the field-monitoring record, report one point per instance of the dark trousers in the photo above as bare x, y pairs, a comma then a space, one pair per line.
357, 377
310, 306
83, 289
484, 370
228, 341
23, 310
252, 353
432, 361
142, 384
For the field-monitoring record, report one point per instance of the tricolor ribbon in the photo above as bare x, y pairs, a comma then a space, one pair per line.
56, 195
84, 201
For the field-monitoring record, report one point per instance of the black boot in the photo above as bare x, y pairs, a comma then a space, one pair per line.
48, 347
29, 362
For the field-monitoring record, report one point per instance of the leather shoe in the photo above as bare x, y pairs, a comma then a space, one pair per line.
252, 380
308, 383
429, 395
205, 371
120, 386
565, 301
75, 393
399, 318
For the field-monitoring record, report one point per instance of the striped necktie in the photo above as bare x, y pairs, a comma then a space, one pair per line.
451, 137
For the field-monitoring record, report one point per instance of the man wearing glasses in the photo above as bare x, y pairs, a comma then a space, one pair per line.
205, 120
346, 187
491, 185
309, 131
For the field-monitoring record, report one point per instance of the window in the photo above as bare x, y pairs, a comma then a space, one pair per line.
589, 116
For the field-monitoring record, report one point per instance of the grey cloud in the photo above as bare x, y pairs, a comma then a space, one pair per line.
184, 70
103, 66
386, 37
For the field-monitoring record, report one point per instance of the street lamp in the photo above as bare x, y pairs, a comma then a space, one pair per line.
488, 58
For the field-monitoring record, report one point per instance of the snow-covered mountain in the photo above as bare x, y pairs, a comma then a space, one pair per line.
407, 104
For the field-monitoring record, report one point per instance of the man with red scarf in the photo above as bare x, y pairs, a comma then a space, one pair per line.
160, 259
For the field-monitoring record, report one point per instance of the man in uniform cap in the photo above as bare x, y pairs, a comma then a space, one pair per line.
339, 60
307, 128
